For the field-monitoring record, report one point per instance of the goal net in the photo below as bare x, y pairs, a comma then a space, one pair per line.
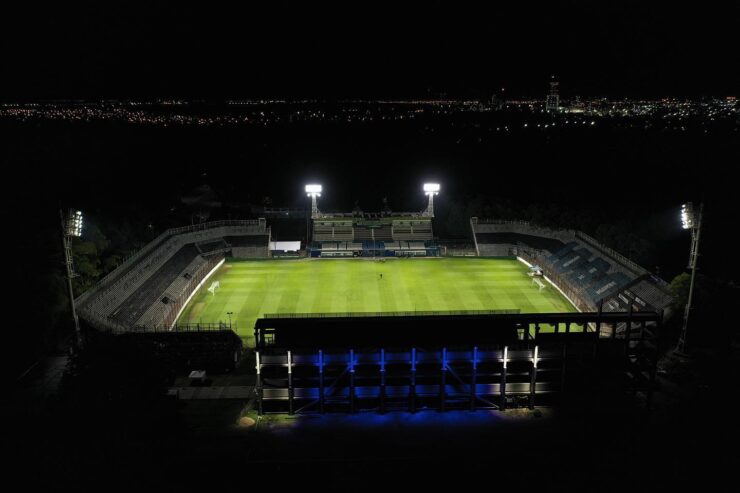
214, 287
539, 283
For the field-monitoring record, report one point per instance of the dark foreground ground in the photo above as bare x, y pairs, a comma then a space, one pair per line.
136, 442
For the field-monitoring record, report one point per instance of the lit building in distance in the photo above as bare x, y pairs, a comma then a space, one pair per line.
552, 102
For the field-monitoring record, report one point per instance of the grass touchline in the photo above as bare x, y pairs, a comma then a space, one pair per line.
249, 289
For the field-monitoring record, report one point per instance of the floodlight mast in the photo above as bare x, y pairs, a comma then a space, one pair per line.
314, 191
71, 227
430, 189
690, 220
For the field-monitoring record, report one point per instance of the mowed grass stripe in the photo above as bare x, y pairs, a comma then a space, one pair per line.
251, 289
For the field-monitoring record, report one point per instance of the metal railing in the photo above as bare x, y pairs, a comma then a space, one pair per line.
573, 294
193, 284
627, 263
136, 256
610, 252
391, 314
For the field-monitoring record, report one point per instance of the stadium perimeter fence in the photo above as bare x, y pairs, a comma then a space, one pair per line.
392, 314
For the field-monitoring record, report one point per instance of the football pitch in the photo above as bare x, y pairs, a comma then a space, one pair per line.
250, 289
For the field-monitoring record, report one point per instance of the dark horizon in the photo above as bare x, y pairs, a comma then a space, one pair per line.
414, 51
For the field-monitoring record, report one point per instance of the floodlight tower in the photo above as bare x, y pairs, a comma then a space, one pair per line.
430, 189
71, 228
690, 219
314, 191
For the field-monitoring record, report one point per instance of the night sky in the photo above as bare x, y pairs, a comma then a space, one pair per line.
622, 176
373, 49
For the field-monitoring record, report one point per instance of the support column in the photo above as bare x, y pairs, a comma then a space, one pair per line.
382, 380
321, 381
443, 380
258, 383
290, 383
474, 379
654, 362
598, 330
563, 368
503, 377
533, 377
351, 380
412, 387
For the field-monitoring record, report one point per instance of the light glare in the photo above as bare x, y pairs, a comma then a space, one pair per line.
313, 189
687, 216
74, 223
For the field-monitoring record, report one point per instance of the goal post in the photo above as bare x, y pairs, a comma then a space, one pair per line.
215, 285
539, 283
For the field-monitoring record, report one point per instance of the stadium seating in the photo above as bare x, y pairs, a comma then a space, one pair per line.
583, 267
119, 300
516, 239
370, 234
164, 304
133, 307
411, 230
210, 247
649, 293
384, 233
325, 230
249, 246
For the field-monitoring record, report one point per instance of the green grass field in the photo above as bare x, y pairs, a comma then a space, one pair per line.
251, 289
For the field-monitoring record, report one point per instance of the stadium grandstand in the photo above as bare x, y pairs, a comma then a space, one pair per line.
174, 292
150, 288
592, 275
382, 234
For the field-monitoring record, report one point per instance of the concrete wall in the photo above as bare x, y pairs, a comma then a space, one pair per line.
249, 252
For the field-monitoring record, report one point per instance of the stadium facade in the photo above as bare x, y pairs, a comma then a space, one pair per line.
349, 362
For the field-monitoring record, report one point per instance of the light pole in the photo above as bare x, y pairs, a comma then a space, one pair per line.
71, 228
229, 314
430, 189
690, 219
313, 191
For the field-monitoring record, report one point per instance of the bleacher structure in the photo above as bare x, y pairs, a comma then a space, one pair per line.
311, 363
148, 291
590, 274
373, 235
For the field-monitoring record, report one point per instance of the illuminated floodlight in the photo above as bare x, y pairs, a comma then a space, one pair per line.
313, 190
687, 215
74, 223
431, 188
